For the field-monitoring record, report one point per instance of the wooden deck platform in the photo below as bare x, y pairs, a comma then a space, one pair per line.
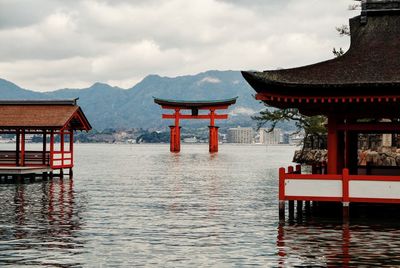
24, 170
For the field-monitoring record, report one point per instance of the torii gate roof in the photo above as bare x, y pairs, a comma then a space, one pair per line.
197, 104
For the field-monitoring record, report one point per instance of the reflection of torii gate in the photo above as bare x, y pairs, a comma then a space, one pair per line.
194, 106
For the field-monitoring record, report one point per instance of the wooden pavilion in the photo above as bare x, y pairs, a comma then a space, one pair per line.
355, 92
54, 120
194, 106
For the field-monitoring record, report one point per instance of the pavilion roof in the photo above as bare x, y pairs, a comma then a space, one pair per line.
189, 104
370, 68
42, 114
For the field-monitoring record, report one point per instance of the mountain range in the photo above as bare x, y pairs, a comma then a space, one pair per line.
114, 107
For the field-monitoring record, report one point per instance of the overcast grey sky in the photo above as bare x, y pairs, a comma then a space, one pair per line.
51, 44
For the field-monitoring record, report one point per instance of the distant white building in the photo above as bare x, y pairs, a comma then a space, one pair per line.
270, 138
240, 135
190, 140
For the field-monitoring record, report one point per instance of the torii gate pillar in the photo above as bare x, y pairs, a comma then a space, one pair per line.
175, 140
213, 140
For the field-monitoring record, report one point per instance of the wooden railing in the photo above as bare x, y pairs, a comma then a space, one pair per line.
338, 187
60, 159
31, 158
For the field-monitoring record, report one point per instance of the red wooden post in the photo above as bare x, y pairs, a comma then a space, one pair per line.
44, 148
213, 139
298, 169
282, 174
332, 145
345, 193
177, 134
23, 147
62, 146
177, 139
290, 169
172, 138
71, 146
17, 149
51, 162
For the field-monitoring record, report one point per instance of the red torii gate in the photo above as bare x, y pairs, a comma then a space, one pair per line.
194, 106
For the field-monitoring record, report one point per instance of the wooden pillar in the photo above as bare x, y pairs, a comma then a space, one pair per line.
332, 145
17, 147
345, 193
291, 202
23, 147
51, 148
44, 148
175, 139
62, 141
178, 138
213, 139
71, 147
172, 139
282, 174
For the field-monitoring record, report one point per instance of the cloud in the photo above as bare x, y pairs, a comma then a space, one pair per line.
242, 111
209, 79
49, 44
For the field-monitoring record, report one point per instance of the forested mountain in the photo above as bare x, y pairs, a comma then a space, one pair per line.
113, 107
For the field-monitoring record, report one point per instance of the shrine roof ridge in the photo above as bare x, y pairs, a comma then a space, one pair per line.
40, 102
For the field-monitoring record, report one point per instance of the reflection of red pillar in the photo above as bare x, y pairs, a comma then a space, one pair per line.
346, 245
175, 139
213, 140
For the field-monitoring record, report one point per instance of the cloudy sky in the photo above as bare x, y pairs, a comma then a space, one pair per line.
51, 44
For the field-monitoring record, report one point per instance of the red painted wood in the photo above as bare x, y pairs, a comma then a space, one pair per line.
282, 175
71, 146
345, 185
263, 96
201, 116
23, 148
200, 108
213, 139
314, 198
62, 147
332, 145
334, 177
51, 148
290, 170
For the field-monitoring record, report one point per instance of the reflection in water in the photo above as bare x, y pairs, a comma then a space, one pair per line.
147, 207
310, 241
38, 224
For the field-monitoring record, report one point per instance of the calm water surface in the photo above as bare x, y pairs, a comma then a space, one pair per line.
139, 205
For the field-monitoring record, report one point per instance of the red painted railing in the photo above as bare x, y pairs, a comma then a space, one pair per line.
61, 159
385, 185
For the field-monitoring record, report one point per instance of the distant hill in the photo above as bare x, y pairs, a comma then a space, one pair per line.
113, 107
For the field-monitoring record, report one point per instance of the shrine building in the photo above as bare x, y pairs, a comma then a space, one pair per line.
53, 122
358, 92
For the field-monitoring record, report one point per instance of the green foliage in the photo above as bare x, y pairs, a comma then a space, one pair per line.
311, 125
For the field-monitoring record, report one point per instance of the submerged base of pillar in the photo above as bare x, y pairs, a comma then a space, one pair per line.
213, 139
175, 139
